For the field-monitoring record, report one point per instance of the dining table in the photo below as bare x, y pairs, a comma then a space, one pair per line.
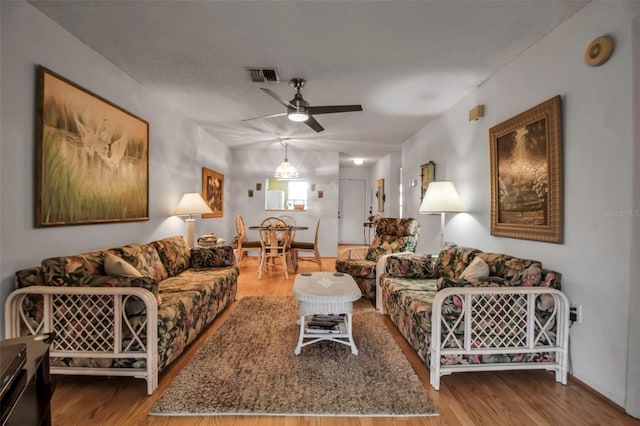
293, 267
282, 228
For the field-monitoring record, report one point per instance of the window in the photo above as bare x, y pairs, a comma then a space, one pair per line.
297, 195
284, 194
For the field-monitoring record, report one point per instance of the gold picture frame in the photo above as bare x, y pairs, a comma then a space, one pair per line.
427, 175
380, 195
213, 192
92, 157
526, 174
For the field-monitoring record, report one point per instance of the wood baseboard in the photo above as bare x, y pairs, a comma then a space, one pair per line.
595, 393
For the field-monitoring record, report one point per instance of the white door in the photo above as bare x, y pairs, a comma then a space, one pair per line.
352, 211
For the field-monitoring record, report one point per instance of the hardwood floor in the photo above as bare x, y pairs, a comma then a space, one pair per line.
503, 398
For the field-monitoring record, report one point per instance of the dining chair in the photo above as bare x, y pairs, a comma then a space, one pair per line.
291, 223
244, 245
274, 240
309, 247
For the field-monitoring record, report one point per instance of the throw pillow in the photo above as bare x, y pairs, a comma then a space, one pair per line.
477, 270
145, 258
174, 254
114, 265
212, 257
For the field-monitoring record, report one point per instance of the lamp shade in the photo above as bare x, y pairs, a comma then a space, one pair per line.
191, 203
441, 197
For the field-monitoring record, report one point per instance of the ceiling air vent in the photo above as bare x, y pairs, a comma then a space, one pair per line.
260, 75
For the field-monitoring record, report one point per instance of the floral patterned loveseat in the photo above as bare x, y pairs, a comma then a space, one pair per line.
129, 310
393, 235
486, 311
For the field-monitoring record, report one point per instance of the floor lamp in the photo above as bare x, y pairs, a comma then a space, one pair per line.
191, 203
441, 197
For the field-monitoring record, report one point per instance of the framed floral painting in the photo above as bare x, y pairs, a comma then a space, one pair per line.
213, 192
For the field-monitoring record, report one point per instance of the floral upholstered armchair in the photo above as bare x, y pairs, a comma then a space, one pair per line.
393, 235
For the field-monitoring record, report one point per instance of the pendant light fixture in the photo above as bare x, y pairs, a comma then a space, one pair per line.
285, 170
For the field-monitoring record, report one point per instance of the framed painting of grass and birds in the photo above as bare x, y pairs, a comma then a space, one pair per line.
92, 162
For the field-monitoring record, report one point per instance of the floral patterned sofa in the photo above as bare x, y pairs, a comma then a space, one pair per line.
486, 311
393, 235
129, 310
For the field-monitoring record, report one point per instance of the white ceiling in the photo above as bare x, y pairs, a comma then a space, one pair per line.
405, 62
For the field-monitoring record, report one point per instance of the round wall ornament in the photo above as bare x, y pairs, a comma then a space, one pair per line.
598, 51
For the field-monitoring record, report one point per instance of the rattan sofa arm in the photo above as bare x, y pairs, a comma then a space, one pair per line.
146, 334
444, 339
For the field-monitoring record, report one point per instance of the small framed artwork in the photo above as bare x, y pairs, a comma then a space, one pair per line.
427, 175
258, 186
92, 157
380, 195
313, 187
320, 194
213, 192
526, 174
250, 193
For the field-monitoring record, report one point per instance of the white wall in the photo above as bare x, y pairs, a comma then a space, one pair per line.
319, 168
633, 353
598, 177
177, 148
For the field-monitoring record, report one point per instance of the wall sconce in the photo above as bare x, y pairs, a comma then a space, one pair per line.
476, 113
599, 51
250, 193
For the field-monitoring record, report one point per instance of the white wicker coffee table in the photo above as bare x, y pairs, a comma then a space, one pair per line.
326, 293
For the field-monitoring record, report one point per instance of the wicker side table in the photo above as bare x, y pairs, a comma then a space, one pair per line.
323, 293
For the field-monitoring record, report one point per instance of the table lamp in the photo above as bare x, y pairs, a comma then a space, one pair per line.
441, 197
191, 203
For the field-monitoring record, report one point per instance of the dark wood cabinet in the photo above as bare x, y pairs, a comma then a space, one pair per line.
28, 401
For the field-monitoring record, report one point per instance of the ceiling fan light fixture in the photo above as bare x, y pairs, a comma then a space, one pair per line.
298, 116
299, 110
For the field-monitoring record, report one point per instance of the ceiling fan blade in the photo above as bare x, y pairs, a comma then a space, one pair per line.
266, 116
311, 122
328, 109
277, 97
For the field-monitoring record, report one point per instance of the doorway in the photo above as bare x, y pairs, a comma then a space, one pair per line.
352, 211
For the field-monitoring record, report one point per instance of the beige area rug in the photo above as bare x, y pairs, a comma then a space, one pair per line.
248, 367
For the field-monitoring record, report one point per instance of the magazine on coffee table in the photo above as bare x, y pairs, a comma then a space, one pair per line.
325, 324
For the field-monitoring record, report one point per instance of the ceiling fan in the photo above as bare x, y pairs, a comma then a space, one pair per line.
299, 110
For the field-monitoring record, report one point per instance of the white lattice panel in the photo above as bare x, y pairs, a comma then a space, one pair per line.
499, 320
83, 324
90, 322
